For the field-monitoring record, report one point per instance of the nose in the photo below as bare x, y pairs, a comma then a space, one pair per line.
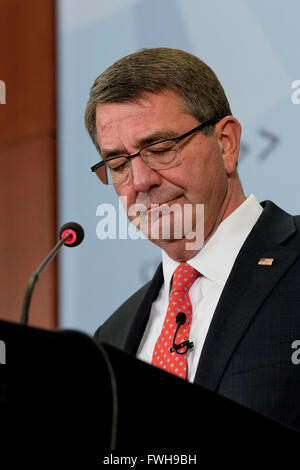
143, 177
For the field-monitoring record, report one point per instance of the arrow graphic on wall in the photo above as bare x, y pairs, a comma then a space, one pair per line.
273, 141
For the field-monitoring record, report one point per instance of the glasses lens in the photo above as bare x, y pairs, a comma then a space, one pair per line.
117, 170
161, 155
102, 174
156, 156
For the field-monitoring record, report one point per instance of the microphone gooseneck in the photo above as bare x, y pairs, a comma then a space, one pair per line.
70, 234
180, 320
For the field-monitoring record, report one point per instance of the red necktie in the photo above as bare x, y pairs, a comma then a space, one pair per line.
183, 278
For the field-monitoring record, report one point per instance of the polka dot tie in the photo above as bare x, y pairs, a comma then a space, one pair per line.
183, 278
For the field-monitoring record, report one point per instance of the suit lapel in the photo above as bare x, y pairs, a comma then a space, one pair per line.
247, 287
142, 312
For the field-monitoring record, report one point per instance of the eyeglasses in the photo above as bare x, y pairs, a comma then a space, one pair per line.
157, 156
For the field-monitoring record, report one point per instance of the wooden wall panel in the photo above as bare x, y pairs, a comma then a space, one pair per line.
27, 65
27, 158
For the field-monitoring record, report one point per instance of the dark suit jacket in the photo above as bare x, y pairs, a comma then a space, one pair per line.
247, 354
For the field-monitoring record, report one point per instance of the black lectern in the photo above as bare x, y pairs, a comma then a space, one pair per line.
60, 391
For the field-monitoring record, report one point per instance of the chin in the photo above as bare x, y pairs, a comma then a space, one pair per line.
176, 249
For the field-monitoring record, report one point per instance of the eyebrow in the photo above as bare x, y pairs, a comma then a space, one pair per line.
150, 139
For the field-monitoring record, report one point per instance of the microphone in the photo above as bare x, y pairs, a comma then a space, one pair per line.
180, 320
75, 232
70, 234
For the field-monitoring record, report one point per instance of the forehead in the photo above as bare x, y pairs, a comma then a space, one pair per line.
149, 110
128, 126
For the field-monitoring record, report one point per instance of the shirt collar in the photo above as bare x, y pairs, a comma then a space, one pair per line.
216, 258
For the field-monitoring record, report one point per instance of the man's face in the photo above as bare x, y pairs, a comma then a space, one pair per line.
198, 178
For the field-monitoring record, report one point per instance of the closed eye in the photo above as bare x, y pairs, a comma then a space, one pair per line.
117, 165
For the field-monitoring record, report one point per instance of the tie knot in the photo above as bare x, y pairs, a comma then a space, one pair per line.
183, 278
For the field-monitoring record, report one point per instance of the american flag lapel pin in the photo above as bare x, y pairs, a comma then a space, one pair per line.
265, 261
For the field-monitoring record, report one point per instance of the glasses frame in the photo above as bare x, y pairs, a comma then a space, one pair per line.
175, 140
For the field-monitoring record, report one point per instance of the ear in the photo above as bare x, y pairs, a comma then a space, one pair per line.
228, 134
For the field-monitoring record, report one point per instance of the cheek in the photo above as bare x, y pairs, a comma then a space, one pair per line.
127, 197
204, 179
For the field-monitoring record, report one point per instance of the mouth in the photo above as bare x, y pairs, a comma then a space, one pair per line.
154, 206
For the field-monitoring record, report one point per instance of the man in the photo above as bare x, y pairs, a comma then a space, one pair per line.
166, 135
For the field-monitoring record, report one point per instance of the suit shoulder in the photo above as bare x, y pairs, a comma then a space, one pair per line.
112, 330
297, 222
283, 227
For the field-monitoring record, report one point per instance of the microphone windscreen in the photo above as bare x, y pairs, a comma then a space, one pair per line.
75, 230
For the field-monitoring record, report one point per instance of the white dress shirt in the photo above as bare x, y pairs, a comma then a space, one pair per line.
214, 262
